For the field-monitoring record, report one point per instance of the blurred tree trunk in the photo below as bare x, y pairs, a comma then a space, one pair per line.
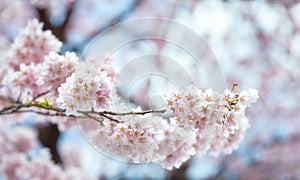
180, 174
48, 136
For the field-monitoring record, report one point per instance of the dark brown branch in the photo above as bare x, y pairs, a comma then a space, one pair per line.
110, 118
179, 174
58, 31
45, 19
17, 108
5, 109
67, 19
40, 113
42, 94
132, 112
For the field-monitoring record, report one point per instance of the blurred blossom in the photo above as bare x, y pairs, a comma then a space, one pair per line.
257, 44
32, 44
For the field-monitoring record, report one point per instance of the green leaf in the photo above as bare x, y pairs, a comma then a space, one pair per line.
28, 102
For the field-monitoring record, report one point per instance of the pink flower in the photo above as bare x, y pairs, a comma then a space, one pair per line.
10, 165
178, 147
70, 156
23, 139
28, 80
32, 44
217, 118
226, 145
57, 68
108, 67
87, 88
66, 123
134, 140
41, 167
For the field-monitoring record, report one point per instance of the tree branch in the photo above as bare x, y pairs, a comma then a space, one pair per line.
42, 94
18, 107
67, 19
133, 112
58, 31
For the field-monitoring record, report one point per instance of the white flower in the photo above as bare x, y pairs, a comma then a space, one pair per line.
248, 97
85, 89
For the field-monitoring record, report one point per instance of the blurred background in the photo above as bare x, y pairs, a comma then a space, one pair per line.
256, 43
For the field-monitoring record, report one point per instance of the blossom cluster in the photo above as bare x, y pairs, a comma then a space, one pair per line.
35, 66
32, 44
86, 89
136, 140
223, 114
34, 79
198, 109
27, 80
17, 163
199, 123
177, 145
57, 68
196, 122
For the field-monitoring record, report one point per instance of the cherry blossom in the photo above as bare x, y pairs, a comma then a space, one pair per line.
17, 142
28, 81
177, 146
60, 89
173, 141
56, 68
32, 44
23, 139
11, 163
86, 89
216, 121
229, 144
135, 140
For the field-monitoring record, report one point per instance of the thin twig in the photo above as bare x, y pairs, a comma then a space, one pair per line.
110, 118
133, 112
94, 118
42, 94
36, 112
58, 31
67, 19
19, 97
6, 109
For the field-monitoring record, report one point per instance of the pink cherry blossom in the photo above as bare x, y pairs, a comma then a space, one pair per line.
196, 122
11, 163
135, 140
41, 167
32, 44
56, 68
227, 145
85, 89
217, 120
23, 139
177, 146
28, 81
